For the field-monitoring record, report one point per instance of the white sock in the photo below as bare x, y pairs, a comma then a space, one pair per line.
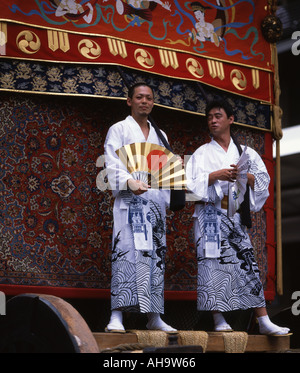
116, 321
267, 327
220, 322
156, 323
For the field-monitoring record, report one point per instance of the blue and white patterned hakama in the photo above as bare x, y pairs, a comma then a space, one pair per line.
231, 281
228, 275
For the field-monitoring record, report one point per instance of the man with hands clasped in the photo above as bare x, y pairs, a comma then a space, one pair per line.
228, 276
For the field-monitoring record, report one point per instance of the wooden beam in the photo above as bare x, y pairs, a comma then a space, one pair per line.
255, 343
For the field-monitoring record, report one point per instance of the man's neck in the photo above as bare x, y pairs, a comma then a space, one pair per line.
143, 123
223, 141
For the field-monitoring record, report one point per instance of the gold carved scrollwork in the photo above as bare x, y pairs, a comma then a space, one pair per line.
28, 42
89, 49
144, 58
194, 67
238, 79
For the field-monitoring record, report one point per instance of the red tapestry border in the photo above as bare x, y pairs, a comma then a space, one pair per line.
217, 29
49, 45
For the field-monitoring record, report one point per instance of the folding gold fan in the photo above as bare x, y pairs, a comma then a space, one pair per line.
154, 165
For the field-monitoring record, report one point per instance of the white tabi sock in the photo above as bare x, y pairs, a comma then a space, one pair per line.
156, 323
267, 327
116, 321
220, 323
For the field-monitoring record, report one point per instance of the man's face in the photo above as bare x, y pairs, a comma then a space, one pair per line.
141, 102
218, 122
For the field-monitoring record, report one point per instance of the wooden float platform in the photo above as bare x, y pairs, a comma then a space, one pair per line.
216, 342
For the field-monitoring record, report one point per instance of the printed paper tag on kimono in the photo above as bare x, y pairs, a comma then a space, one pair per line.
212, 234
141, 227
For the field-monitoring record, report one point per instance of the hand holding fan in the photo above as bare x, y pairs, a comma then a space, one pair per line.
154, 165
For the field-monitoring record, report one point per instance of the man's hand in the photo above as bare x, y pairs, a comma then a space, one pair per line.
225, 174
137, 186
251, 180
229, 174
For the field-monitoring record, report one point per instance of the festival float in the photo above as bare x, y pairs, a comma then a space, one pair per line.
65, 66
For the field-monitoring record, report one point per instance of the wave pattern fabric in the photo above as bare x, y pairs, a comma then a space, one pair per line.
137, 264
232, 281
138, 278
229, 280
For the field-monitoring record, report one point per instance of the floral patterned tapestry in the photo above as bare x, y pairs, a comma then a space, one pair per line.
108, 82
56, 226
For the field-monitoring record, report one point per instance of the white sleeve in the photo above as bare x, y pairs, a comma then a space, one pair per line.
197, 175
117, 173
259, 195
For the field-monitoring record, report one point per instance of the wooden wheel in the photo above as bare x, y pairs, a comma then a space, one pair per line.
44, 323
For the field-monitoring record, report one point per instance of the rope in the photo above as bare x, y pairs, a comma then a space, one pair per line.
195, 338
154, 338
125, 347
160, 338
235, 342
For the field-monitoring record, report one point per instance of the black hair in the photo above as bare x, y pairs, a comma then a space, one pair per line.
136, 85
220, 104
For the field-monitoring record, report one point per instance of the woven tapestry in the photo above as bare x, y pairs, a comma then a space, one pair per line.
106, 81
55, 225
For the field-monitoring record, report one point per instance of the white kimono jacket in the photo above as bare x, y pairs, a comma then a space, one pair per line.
137, 264
229, 280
